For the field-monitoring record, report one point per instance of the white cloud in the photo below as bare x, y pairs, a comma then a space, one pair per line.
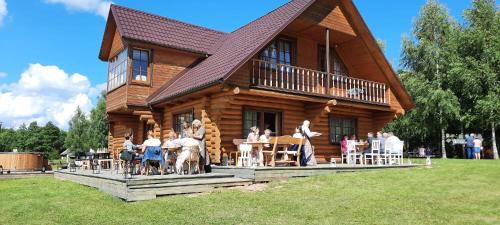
2, 74
3, 11
45, 93
98, 7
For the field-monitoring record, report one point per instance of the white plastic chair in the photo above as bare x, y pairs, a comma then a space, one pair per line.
374, 152
245, 158
399, 155
386, 157
352, 154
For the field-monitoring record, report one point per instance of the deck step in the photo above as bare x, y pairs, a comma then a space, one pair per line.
213, 181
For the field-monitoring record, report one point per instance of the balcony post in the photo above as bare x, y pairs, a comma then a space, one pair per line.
327, 58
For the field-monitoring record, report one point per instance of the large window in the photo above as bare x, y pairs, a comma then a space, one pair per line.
179, 119
117, 70
336, 65
262, 119
278, 51
140, 62
340, 127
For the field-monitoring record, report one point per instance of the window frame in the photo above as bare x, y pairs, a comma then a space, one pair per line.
147, 82
321, 54
278, 113
276, 41
331, 132
176, 114
125, 74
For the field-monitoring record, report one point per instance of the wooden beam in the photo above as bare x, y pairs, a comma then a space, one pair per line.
327, 58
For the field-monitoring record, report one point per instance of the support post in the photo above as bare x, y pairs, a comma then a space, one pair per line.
327, 58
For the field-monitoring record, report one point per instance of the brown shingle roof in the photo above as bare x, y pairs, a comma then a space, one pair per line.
232, 51
145, 27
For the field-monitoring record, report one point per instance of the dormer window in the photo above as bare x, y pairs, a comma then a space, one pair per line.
140, 62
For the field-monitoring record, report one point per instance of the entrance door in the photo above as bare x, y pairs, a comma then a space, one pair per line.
262, 119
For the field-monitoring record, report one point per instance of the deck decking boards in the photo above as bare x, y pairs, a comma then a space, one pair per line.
149, 187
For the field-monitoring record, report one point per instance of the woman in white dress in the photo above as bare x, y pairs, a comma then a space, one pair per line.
308, 135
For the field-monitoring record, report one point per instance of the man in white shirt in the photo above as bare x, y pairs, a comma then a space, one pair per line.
393, 142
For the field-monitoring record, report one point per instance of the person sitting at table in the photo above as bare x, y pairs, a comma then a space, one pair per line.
308, 158
170, 142
199, 135
154, 144
369, 139
297, 133
393, 142
265, 137
253, 135
187, 146
186, 132
343, 145
353, 138
382, 142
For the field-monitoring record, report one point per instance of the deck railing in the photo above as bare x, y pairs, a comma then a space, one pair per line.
296, 79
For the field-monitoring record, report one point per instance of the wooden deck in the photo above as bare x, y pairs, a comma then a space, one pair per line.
265, 174
149, 187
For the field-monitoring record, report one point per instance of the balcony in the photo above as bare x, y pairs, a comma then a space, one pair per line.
280, 77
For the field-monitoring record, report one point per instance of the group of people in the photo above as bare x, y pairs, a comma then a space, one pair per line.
191, 136
388, 140
473, 146
302, 131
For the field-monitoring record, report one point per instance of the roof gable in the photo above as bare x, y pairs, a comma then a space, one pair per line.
236, 48
144, 27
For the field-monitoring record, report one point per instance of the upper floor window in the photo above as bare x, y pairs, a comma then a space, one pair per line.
336, 65
278, 51
117, 70
140, 62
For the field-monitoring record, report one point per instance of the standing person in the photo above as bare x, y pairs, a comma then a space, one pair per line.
199, 135
186, 132
478, 146
469, 146
308, 158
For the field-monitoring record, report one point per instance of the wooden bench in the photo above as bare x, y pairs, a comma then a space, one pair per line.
285, 142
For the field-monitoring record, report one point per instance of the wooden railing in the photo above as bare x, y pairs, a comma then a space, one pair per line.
296, 79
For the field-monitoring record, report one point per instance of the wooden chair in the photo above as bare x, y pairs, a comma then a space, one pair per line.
374, 152
237, 143
194, 159
283, 140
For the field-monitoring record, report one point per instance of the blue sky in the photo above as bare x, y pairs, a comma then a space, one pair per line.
67, 34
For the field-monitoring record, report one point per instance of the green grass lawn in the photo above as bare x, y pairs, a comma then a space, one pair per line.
452, 192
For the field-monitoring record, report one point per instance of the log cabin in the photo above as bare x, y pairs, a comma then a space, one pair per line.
308, 59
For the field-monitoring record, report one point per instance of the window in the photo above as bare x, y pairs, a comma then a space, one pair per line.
340, 127
336, 65
179, 119
262, 119
117, 70
278, 51
140, 62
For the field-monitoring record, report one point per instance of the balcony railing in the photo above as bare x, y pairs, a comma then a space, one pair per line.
306, 81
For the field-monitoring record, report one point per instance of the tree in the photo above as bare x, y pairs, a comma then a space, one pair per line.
7, 140
426, 57
99, 124
52, 140
480, 58
77, 138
